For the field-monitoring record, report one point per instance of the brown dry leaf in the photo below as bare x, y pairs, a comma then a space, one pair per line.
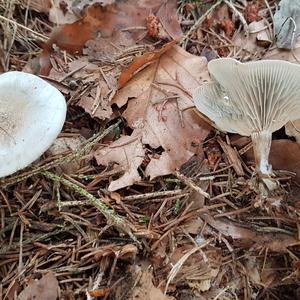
277, 242
142, 61
80, 68
128, 152
252, 267
292, 128
145, 290
108, 48
99, 292
281, 160
160, 165
198, 270
63, 145
160, 108
72, 37
167, 15
97, 99
263, 275
46, 288
259, 38
69, 11
282, 54
206, 282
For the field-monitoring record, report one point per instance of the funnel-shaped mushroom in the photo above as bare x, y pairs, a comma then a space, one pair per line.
251, 99
32, 113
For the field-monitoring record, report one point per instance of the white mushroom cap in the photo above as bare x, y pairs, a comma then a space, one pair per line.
32, 114
251, 99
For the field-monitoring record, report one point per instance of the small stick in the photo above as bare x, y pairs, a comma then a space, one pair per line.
111, 216
36, 34
191, 184
199, 21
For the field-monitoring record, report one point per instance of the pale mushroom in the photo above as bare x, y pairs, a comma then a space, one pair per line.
251, 99
32, 114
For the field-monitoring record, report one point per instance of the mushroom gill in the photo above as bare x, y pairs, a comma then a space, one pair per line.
251, 99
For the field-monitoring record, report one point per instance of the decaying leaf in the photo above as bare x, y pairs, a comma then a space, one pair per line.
72, 37
292, 128
129, 153
261, 275
99, 292
145, 290
46, 288
81, 69
97, 99
160, 112
107, 19
63, 145
276, 242
259, 38
141, 61
292, 55
167, 15
252, 266
281, 161
97, 102
108, 48
279, 158
190, 265
69, 11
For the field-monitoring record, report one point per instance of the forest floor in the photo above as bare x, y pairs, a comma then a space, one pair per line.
140, 197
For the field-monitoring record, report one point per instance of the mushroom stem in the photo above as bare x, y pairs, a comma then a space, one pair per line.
261, 148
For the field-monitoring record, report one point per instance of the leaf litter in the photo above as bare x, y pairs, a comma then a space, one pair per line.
133, 191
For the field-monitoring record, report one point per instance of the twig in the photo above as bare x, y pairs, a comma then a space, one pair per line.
44, 38
34, 238
199, 21
182, 260
111, 216
153, 195
191, 184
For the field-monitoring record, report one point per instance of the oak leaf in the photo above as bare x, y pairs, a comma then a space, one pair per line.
129, 153
97, 99
141, 61
160, 111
